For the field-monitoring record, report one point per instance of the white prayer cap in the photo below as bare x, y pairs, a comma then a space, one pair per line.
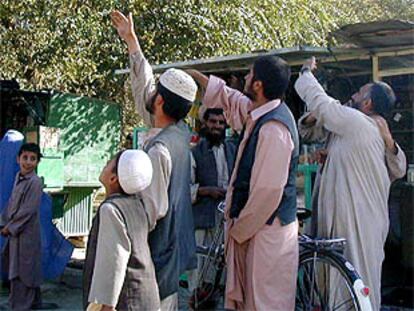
134, 171
179, 83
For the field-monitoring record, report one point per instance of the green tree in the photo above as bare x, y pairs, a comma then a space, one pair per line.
71, 46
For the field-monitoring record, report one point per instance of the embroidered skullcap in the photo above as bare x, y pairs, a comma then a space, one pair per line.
134, 171
179, 83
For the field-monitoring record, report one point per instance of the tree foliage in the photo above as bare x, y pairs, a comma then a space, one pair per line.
71, 46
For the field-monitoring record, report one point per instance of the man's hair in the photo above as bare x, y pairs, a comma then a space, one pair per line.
212, 111
31, 147
274, 73
115, 168
117, 157
383, 98
174, 106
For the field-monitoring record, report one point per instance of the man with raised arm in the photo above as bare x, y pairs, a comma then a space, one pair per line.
261, 241
163, 107
355, 182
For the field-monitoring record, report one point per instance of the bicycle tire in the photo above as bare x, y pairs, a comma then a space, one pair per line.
311, 297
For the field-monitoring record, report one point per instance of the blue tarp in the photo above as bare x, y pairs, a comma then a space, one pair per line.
56, 250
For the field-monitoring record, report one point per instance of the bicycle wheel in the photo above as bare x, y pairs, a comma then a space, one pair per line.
326, 282
209, 290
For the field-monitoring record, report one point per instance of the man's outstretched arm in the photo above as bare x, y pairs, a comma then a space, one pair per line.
201, 78
235, 104
142, 77
336, 118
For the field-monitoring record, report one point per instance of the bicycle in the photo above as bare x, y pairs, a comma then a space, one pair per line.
324, 275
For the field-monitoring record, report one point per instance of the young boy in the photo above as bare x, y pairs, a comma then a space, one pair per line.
118, 272
21, 256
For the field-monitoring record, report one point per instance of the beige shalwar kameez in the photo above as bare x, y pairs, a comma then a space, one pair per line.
261, 259
354, 184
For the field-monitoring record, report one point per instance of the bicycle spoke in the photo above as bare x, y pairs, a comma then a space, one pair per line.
303, 290
322, 286
342, 304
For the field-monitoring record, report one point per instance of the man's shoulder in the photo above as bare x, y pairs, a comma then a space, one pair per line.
121, 205
201, 149
200, 143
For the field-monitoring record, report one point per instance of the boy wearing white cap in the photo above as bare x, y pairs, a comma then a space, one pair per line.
119, 273
163, 107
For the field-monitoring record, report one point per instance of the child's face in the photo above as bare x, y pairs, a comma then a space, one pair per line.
28, 162
108, 177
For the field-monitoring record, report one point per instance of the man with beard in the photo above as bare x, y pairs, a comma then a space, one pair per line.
212, 163
163, 108
261, 240
355, 182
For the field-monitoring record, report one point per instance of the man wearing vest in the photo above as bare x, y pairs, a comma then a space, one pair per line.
261, 242
211, 165
163, 108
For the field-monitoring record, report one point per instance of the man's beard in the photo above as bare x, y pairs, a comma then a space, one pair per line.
215, 139
249, 93
353, 104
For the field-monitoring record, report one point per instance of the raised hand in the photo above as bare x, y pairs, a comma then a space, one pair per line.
125, 28
309, 64
124, 25
385, 133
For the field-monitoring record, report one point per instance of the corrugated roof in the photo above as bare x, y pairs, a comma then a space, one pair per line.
243, 61
294, 56
378, 34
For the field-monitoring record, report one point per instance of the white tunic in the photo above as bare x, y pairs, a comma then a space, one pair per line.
355, 183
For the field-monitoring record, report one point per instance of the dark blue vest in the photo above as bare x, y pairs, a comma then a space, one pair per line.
172, 242
204, 210
287, 207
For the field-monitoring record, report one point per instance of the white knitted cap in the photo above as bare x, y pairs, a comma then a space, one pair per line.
179, 83
134, 171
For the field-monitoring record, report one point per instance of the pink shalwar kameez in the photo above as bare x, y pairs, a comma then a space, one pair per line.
261, 259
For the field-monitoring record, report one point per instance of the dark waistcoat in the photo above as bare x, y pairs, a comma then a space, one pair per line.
204, 210
286, 211
139, 291
172, 242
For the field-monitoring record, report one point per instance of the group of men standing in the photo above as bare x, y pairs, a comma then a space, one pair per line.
161, 202
257, 177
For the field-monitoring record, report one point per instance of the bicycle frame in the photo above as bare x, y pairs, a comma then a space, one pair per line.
332, 247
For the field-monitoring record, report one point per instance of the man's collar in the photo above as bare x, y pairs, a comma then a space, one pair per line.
21, 177
210, 145
262, 110
27, 176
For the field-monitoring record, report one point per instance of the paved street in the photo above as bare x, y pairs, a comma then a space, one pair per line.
66, 292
